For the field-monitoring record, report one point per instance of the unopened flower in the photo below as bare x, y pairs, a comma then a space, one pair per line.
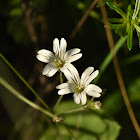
94, 105
80, 86
60, 59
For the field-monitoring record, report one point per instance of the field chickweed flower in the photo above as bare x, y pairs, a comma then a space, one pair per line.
80, 87
60, 60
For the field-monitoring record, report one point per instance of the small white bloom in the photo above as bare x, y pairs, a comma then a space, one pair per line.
60, 59
80, 86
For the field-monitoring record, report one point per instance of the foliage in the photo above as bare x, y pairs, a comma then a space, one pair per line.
51, 19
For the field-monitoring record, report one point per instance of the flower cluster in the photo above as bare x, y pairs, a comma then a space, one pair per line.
61, 60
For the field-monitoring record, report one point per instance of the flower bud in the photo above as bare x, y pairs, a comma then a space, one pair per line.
95, 105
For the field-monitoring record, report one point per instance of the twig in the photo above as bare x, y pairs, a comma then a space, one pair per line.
29, 23
83, 19
117, 68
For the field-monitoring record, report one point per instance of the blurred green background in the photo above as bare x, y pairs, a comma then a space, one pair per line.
51, 19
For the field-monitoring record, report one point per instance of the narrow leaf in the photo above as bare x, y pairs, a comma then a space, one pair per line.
130, 38
121, 29
116, 20
138, 34
117, 9
114, 26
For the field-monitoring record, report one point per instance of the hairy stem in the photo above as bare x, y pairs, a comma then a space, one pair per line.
61, 97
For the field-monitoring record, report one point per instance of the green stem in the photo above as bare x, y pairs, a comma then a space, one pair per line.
74, 110
24, 81
108, 58
61, 77
58, 101
22, 98
61, 97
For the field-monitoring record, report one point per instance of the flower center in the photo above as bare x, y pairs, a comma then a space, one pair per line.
79, 89
59, 63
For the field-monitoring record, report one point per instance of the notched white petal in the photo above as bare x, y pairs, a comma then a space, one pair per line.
51, 72
85, 74
73, 57
71, 73
64, 85
47, 70
93, 94
64, 91
94, 88
83, 98
56, 45
91, 77
63, 45
45, 52
72, 52
76, 97
44, 59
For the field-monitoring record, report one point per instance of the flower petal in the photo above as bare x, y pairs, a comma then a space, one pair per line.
52, 71
63, 45
45, 56
91, 77
63, 85
46, 53
76, 98
93, 88
71, 73
74, 57
56, 45
83, 98
65, 91
72, 52
93, 94
44, 59
85, 74
49, 70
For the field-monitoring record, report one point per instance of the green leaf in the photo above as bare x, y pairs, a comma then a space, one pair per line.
121, 29
116, 20
133, 59
138, 34
134, 89
88, 121
130, 38
113, 131
108, 104
117, 9
115, 26
87, 124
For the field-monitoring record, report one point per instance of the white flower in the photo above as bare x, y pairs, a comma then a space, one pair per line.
136, 11
80, 87
60, 60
